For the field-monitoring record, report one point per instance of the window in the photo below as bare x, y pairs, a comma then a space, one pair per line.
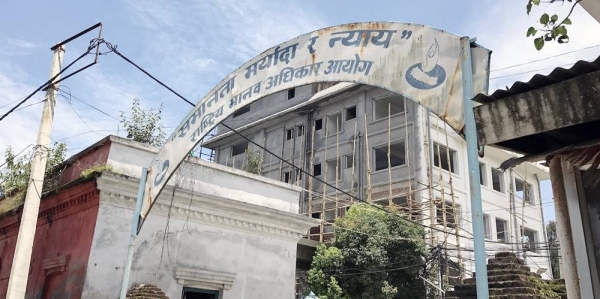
316, 215
291, 93
397, 155
443, 156
351, 113
487, 229
317, 169
289, 134
390, 105
241, 111
501, 230
331, 167
239, 148
497, 180
318, 124
300, 130
450, 220
482, 174
334, 123
400, 201
286, 177
349, 161
192, 293
530, 240
520, 187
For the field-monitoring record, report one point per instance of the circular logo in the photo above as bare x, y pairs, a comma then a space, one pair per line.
417, 78
162, 172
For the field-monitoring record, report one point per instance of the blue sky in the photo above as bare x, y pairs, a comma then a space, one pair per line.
192, 45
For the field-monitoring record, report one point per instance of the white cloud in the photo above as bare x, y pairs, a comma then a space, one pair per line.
21, 44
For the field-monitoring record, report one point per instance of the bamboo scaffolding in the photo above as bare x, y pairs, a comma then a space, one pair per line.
281, 155
337, 165
353, 159
301, 155
389, 154
324, 176
443, 192
429, 179
456, 219
368, 162
407, 155
312, 172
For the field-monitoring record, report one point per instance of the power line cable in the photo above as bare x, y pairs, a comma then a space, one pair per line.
543, 59
71, 96
91, 46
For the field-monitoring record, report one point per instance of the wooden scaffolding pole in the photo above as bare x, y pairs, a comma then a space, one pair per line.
443, 194
428, 153
312, 172
455, 211
301, 155
389, 154
353, 159
324, 176
337, 165
409, 198
367, 150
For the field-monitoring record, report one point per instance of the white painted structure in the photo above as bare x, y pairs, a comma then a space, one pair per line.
228, 230
307, 105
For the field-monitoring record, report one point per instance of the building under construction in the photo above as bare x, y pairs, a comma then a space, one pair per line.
367, 143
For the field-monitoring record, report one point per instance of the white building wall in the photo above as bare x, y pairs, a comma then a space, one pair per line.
222, 223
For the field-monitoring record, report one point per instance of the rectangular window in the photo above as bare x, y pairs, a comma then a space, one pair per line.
193, 293
349, 161
351, 113
332, 165
482, 174
450, 213
317, 169
487, 229
241, 111
286, 177
391, 105
397, 155
300, 130
443, 157
523, 194
318, 124
530, 240
400, 201
316, 215
334, 123
501, 230
239, 148
289, 134
291, 93
497, 180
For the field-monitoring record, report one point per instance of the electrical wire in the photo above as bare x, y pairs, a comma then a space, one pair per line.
71, 96
93, 44
543, 59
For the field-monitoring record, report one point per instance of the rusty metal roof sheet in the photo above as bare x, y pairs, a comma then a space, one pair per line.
559, 74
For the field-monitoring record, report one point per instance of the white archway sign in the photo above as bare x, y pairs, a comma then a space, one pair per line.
418, 62
426, 65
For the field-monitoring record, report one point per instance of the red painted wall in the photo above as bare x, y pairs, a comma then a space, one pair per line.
95, 157
64, 236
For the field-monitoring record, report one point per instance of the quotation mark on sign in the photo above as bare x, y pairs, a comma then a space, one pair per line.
406, 34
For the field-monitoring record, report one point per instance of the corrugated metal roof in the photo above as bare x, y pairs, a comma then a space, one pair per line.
559, 74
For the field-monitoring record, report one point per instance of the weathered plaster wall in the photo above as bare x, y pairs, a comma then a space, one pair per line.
209, 233
61, 246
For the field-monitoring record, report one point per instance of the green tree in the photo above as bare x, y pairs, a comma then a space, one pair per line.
375, 254
550, 29
15, 177
144, 124
554, 248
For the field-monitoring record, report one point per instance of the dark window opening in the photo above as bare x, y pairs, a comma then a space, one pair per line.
523, 194
443, 156
291, 93
529, 240
397, 156
388, 106
349, 161
482, 174
239, 148
501, 232
334, 123
450, 213
286, 177
497, 180
316, 215
241, 111
300, 130
351, 113
318, 124
317, 169
289, 134
190, 293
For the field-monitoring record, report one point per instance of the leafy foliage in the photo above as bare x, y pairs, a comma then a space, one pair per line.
554, 249
15, 177
374, 255
551, 29
144, 124
253, 162
96, 169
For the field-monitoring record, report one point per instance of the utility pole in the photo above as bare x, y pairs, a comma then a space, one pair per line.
17, 283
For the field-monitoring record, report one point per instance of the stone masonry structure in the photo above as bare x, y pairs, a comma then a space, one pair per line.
509, 278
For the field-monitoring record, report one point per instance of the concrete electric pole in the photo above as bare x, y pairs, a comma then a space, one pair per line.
17, 283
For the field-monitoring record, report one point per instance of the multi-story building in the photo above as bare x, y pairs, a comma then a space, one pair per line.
342, 134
